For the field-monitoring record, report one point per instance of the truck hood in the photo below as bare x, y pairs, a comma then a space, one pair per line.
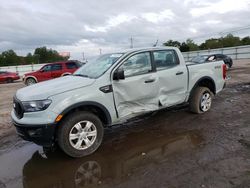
43, 90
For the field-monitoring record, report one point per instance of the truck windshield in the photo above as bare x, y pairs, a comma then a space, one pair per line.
98, 66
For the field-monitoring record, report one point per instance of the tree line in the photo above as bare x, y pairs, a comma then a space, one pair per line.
45, 55
40, 55
212, 43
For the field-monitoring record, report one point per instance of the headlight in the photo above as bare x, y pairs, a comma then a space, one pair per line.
34, 106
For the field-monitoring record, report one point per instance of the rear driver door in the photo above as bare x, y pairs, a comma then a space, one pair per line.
173, 77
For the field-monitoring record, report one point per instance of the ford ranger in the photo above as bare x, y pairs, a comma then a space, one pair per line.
73, 111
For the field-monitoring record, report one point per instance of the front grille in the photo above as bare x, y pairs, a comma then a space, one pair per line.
18, 109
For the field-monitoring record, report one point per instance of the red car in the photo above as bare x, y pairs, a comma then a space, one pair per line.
50, 71
8, 77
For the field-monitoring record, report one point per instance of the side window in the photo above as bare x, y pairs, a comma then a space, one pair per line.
137, 64
165, 59
71, 65
211, 58
46, 68
220, 56
56, 67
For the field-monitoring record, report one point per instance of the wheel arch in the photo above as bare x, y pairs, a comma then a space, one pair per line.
90, 106
66, 74
205, 81
30, 77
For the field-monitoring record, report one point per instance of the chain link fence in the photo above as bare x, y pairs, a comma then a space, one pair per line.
238, 52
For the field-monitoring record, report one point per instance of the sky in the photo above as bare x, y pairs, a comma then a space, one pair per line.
79, 26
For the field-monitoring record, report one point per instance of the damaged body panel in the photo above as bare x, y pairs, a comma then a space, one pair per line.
157, 79
133, 95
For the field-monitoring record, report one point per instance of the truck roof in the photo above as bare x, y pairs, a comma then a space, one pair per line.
146, 48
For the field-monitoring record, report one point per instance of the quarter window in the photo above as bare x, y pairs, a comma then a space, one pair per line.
137, 64
72, 65
165, 59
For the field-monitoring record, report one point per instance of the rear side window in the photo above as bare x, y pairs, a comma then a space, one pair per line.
56, 67
72, 65
165, 59
221, 56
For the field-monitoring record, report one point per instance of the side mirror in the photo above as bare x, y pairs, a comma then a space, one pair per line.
119, 74
41, 70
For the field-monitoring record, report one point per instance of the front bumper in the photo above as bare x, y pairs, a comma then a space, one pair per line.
43, 135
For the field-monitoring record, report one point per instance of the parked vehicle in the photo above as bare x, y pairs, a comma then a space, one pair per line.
8, 77
214, 57
74, 110
50, 71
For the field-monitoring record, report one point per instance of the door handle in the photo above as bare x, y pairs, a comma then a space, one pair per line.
179, 73
149, 81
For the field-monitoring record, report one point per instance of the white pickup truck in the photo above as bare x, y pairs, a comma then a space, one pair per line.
74, 110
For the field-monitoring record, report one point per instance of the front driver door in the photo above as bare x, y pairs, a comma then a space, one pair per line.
44, 73
137, 93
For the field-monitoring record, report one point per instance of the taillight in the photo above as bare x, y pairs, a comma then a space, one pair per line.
224, 71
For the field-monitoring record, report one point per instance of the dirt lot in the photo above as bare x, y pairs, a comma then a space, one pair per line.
170, 148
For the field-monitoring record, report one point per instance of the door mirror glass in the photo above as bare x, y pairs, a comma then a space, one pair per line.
119, 74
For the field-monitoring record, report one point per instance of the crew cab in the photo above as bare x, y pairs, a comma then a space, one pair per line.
8, 77
50, 71
73, 111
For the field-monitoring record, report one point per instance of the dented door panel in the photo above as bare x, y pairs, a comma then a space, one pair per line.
136, 94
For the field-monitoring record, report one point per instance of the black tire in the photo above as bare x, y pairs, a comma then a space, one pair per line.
9, 80
66, 127
195, 101
30, 81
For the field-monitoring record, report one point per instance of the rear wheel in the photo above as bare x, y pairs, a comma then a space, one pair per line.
201, 100
30, 81
9, 80
80, 134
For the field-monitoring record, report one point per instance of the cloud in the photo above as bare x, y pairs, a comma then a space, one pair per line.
158, 17
86, 26
221, 7
111, 22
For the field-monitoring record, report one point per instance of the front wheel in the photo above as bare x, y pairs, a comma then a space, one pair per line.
80, 134
201, 100
30, 81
